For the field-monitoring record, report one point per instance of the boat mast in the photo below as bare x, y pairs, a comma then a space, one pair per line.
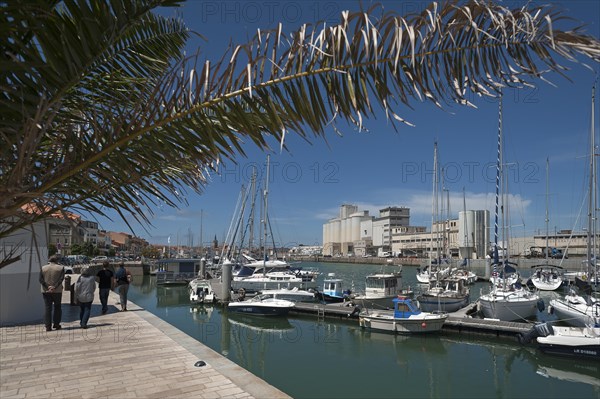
265, 215
547, 219
498, 174
591, 197
252, 212
434, 207
465, 225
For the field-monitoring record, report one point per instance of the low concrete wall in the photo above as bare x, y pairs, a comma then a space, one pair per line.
20, 295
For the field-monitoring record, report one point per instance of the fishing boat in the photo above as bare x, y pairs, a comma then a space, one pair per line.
262, 305
201, 291
333, 289
508, 299
380, 289
405, 318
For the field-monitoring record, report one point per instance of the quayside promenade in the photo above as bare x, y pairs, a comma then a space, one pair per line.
131, 354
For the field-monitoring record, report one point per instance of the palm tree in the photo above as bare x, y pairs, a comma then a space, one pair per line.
102, 110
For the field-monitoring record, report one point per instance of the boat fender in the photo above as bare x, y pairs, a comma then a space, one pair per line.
355, 311
550, 309
423, 325
541, 305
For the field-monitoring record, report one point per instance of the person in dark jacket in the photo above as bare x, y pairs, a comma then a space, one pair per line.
106, 281
51, 280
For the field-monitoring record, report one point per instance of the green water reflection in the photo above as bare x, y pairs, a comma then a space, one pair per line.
310, 358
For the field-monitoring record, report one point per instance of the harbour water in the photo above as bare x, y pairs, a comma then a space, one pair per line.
308, 357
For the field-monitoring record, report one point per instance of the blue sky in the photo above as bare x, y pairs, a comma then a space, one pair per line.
381, 167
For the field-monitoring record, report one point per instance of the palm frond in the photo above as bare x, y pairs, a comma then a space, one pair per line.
109, 115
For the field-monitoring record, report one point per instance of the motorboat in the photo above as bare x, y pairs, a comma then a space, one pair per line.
449, 295
262, 305
576, 310
405, 318
293, 294
272, 280
333, 289
546, 277
201, 291
577, 342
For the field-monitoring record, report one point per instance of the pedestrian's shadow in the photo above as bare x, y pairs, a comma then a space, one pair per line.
70, 313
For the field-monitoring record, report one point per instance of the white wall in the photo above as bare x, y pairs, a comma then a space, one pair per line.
20, 296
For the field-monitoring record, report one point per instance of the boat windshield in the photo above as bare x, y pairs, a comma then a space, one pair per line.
378, 282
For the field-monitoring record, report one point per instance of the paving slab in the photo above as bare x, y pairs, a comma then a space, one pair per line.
121, 354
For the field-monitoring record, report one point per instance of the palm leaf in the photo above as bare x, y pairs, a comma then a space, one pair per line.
108, 114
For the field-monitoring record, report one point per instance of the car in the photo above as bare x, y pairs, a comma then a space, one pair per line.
100, 259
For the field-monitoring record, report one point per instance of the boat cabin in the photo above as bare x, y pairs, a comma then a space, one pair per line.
380, 285
404, 307
333, 286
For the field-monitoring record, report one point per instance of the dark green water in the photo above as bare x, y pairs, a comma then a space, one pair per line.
331, 358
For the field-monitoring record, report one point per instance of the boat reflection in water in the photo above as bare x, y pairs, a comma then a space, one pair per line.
168, 296
568, 370
441, 365
504, 351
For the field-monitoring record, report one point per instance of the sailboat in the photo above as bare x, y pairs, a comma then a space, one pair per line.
437, 267
445, 292
271, 273
506, 301
575, 309
547, 277
463, 270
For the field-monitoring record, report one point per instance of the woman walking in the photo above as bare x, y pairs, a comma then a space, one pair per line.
84, 291
123, 277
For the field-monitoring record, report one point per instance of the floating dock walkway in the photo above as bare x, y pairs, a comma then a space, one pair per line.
459, 321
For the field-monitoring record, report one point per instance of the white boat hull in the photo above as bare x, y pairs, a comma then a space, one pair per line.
508, 306
201, 292
293, 295
266, 307
422, 323
572, 341
450, 303
575, 311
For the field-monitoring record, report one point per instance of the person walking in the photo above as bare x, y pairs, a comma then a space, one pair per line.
106, 281
51, 280
123, 277
84, 291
